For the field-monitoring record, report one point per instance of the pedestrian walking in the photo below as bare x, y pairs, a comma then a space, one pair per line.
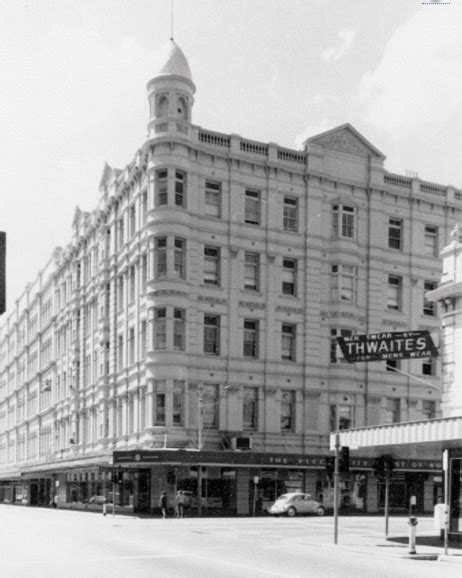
179, 502
163, 503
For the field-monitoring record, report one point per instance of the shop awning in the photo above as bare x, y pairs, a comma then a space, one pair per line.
421, 438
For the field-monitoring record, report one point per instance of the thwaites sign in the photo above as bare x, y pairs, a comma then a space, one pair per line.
390, 345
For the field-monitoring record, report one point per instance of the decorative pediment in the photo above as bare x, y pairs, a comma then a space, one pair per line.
346, 138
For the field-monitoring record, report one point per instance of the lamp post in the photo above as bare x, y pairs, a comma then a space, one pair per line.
256, 479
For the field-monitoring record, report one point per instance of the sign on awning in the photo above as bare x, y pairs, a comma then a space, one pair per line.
388, 345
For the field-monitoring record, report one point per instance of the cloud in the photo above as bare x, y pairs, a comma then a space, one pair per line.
312, 130
345, 40
418, 81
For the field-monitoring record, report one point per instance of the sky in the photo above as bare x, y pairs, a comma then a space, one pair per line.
73, 77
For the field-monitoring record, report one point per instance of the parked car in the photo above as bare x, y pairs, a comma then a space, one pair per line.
296, 503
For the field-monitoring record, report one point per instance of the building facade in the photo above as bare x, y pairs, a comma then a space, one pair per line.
185, 338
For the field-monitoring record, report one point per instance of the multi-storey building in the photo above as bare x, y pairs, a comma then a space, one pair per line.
186, 336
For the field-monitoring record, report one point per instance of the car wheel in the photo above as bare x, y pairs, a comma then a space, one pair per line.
291, 511
321, 511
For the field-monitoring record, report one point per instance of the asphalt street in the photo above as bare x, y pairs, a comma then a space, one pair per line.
49, 543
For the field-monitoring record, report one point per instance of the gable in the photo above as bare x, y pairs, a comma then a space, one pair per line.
346, 138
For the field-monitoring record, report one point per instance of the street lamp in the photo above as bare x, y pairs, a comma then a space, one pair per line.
256, 479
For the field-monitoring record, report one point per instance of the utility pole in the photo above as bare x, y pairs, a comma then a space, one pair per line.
336, 487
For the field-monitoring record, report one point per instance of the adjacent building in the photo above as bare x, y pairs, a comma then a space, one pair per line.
185, 337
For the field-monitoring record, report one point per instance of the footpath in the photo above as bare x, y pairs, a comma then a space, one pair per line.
428, 545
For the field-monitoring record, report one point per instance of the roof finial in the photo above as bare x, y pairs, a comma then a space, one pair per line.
171, 20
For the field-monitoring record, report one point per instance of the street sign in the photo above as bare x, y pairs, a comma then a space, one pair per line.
388, 345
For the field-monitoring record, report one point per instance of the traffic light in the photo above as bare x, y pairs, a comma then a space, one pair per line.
344, 464
379, 467
389, 465
330, 466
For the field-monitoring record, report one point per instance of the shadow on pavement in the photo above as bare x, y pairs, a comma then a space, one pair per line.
435, 541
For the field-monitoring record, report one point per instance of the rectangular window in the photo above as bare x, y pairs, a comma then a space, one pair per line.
392, 364
252, 207
179, 329
144, 208
180, 188
428, 409
160, 328
143, 273
395, 232
120, 236
213, 199
287, 410
120, 352
343, 283
289, 276
250, 338
209, 406
335, 354
120, 292
252, 271
177, 405
161, 257
393, 410
131, 345
290, 218
132, 284
394, 292
341, 417
161, 187
429, 307
180, 258
142, 346
431, 240
343, 221
288, 341
212, 334
250, 408
429, 366
160, 409
132, 220
212, 266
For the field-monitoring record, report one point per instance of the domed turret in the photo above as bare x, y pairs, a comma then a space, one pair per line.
171, 95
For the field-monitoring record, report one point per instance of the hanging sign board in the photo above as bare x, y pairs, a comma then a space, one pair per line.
388, 345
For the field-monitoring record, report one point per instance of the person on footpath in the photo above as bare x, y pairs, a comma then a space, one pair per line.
179, 502
163, 503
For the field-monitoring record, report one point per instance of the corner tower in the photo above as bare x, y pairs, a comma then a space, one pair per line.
171, 96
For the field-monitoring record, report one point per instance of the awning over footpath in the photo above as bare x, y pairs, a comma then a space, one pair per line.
425, 438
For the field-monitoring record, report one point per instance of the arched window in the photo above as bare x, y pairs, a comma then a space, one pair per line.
162, 106
182, 108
